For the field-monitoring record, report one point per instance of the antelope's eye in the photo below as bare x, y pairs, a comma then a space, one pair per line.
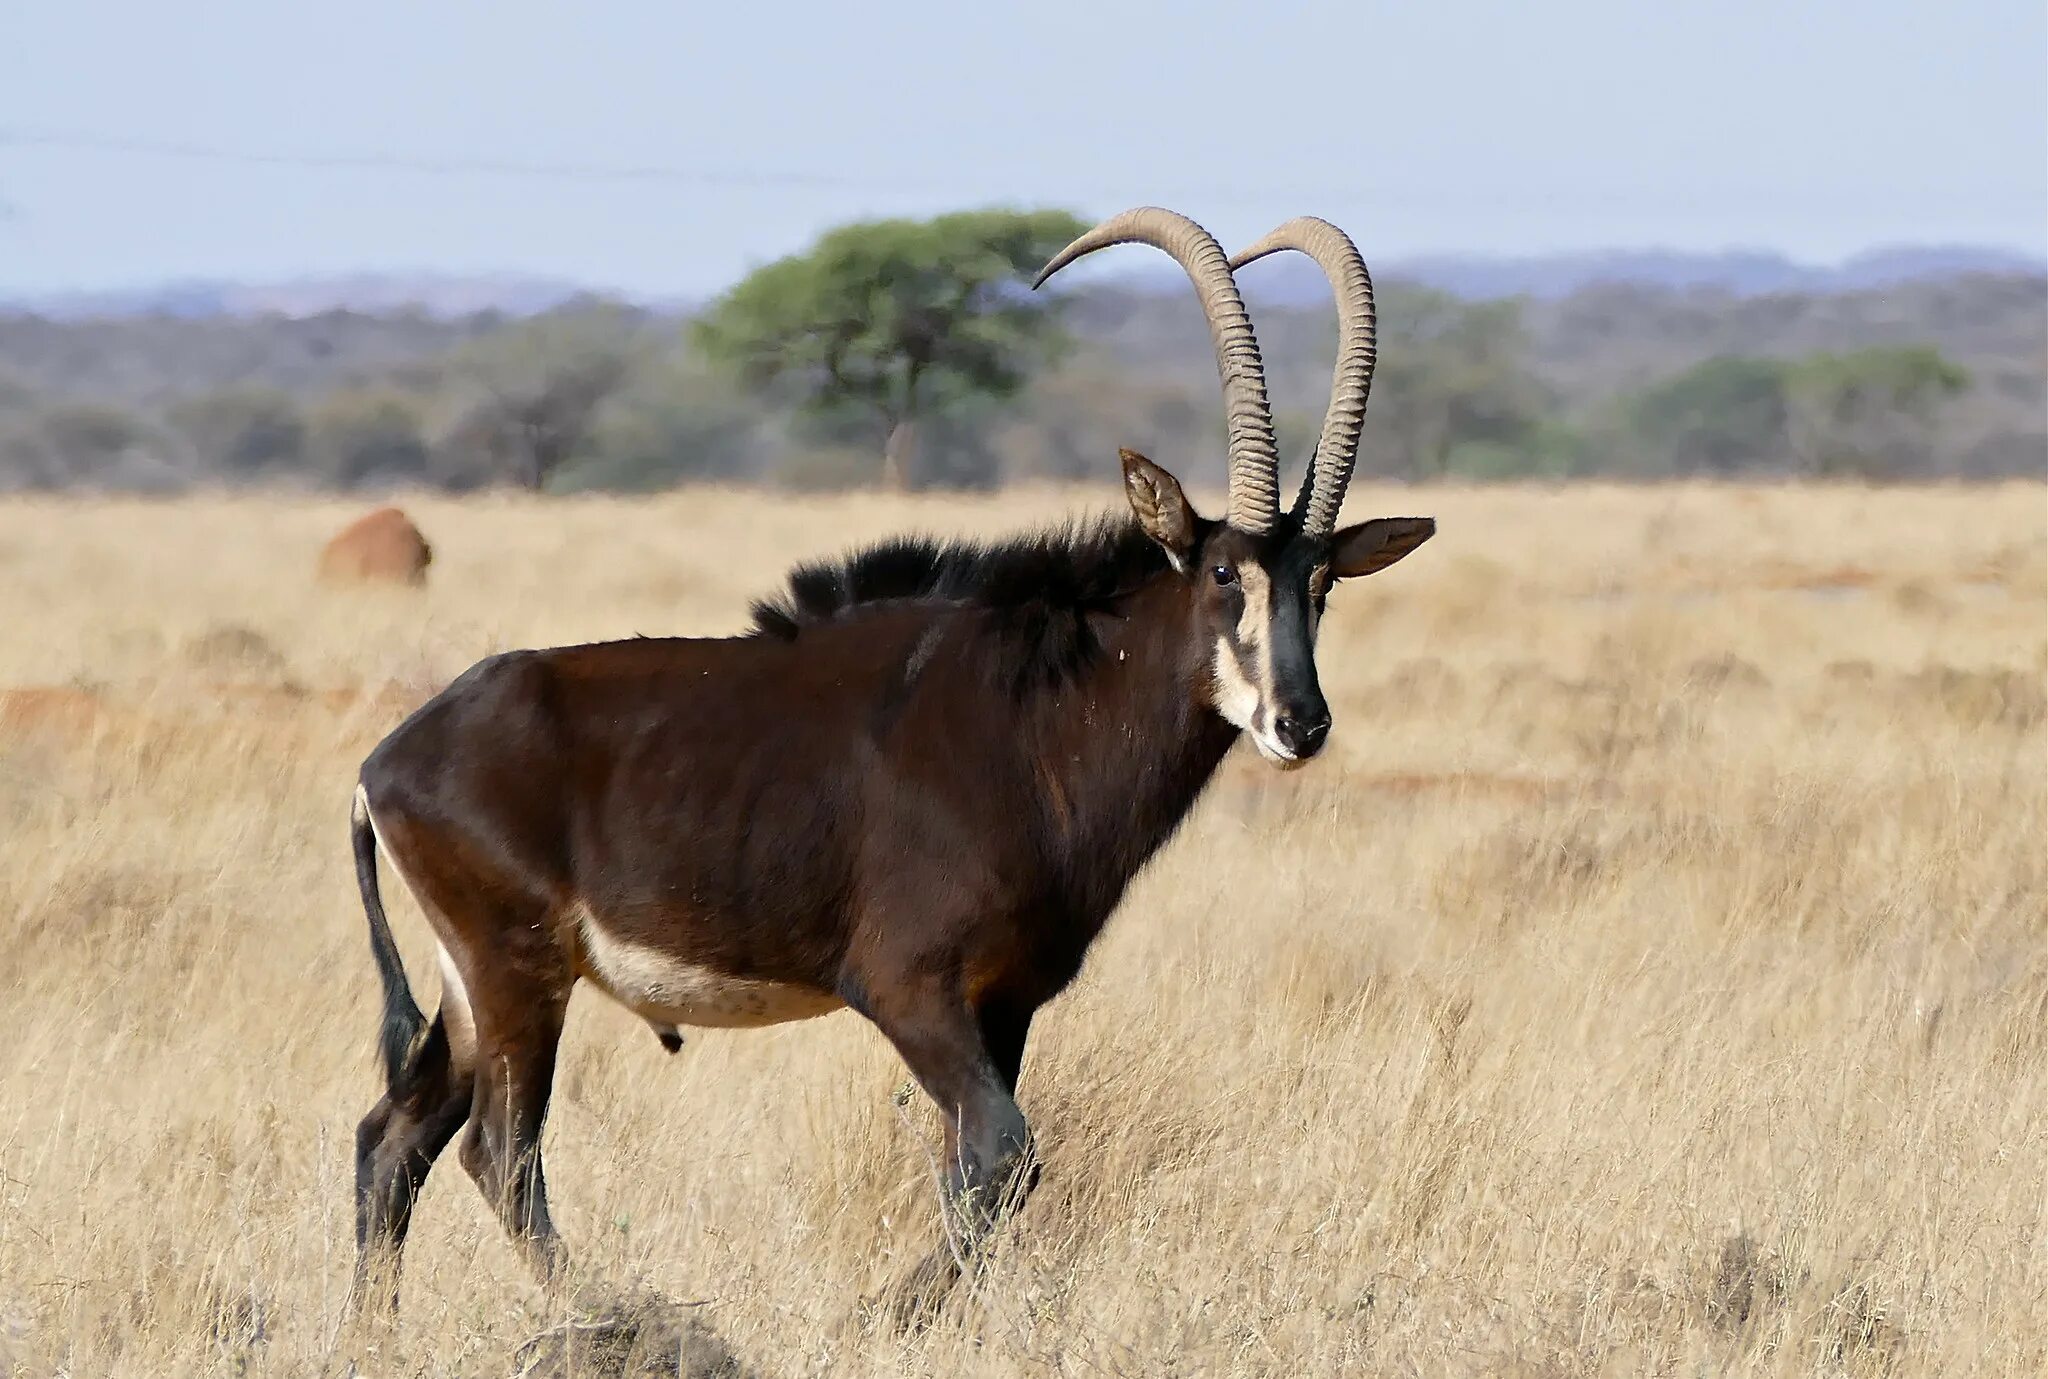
1224, 575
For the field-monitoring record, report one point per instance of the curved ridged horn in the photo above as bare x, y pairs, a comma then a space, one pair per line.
1329, 466
1254, 456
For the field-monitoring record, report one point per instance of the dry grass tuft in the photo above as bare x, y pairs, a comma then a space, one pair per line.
1652, 982
231, 648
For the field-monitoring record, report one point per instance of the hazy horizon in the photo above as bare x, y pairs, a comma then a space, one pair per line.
484, 274
665, 154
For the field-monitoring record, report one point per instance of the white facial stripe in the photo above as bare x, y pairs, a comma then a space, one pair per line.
1255, 632
1246, 698
1237, 699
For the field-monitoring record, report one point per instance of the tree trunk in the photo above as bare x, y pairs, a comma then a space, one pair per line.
898, 454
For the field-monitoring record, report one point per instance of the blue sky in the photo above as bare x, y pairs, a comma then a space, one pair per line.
1818, 128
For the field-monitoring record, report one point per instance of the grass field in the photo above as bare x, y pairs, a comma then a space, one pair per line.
1653, 979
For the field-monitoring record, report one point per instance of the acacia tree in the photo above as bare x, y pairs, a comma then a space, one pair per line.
886, 322
1721, 415
1871, 412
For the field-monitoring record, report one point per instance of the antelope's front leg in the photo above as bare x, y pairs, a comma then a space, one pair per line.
990, 1166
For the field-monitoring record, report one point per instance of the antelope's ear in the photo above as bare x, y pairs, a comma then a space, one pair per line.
1372, 546
1161, 507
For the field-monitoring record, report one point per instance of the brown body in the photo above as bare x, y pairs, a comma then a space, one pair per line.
919, 788
831, 812
383, 547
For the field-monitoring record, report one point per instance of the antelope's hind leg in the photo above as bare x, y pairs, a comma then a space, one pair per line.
396, 1146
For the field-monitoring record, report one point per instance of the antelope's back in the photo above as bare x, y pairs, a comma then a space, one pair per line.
727, 789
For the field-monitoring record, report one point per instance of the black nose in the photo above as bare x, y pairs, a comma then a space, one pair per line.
1302, 736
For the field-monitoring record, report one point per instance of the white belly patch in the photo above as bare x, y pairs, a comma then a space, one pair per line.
664, 990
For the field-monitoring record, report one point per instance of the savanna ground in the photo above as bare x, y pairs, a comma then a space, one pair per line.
1651, 980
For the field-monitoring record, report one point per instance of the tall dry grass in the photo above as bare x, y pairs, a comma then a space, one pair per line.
1652, 980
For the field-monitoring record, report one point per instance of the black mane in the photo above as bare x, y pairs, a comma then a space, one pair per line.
1040, 584
1077, 567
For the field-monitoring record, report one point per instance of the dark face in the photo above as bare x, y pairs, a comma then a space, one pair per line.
1260, 599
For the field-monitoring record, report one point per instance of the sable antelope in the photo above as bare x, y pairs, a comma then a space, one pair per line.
917, 787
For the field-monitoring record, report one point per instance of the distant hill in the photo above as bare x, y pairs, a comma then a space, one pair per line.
441, 295
1288, 281
1741, 273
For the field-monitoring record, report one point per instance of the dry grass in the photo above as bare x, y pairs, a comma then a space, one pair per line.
1653, 981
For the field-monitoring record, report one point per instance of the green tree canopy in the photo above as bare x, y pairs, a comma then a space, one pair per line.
886, 322
1869, 412
1726, 414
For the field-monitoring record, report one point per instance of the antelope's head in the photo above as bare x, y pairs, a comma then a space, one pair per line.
1259, 578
